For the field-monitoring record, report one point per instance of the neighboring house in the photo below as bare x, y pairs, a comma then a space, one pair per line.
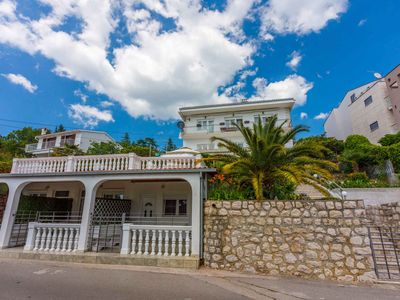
81, 138
122, 203
203, 122
371, 110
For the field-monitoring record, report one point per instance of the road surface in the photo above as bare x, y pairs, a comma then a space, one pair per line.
26, 279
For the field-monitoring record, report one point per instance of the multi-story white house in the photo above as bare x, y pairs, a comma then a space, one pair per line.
371, 110
81, 138
203, 122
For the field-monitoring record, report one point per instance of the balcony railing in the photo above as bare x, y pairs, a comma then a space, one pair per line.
47, 145
156, 240
102, 163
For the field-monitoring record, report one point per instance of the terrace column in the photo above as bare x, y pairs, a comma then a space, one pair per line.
88, 206
195, 184
14, 193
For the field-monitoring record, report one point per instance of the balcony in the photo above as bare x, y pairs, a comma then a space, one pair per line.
103, 163
48, 145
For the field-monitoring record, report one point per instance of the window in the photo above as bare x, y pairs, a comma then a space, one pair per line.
113, 194
353, 98
61, 194
173, 207
205, 125
229, 123
203, 147
374, 126
368, 101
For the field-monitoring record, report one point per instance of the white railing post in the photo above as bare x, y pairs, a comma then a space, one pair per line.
131, 161
31, 238
14, 168
126, 239
70, 164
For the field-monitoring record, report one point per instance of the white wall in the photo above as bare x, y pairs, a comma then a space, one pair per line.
84, 139
135, 191
355, 118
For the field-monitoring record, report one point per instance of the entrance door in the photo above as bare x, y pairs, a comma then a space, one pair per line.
149, 205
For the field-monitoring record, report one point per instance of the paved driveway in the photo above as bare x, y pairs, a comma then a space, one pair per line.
23, 279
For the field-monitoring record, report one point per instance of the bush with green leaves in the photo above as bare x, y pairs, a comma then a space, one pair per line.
390, 139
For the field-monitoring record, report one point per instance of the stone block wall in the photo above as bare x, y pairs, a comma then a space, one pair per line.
306, 238
387, 214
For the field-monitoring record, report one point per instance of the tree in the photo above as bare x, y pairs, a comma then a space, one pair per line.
67, 150
266, 163
104, 148
147, 142
59, 128
170, 146
126, 141
390, 139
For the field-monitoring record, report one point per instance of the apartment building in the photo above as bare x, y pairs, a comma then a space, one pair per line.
81, 138
371, 110
200, 123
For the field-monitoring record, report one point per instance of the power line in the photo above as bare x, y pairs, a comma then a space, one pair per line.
27, 123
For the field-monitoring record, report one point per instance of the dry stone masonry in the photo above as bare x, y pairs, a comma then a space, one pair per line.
313, 239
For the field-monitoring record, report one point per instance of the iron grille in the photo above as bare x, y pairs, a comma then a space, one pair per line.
385, 245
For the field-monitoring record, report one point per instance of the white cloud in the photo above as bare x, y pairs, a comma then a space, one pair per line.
299, 17
106, 104
321, 116
295, 59
293, 86
88, 116
362, 22
22, 81
303, 115
78, 93
160, 69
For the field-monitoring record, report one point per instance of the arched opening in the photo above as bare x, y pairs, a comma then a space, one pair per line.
137, 202
46, 202
3, 199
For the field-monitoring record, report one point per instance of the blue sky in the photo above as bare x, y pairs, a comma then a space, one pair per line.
126, 66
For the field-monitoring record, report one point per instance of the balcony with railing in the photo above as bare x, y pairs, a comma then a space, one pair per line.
103, 163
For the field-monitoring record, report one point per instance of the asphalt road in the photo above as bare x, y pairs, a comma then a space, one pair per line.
23, 279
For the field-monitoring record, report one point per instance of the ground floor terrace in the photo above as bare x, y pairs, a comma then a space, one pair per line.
149, 215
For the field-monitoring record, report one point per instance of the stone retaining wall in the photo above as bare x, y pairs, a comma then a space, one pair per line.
385, 214
312, 239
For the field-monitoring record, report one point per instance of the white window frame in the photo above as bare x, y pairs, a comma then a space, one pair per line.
205, 125
177, 200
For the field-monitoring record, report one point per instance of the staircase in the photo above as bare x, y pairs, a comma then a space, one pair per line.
385, 245
310, 191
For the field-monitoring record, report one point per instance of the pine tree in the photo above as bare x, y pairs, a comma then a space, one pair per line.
60, 128
170, 145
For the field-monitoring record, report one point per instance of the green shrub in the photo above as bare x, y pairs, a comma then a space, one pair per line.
394, 156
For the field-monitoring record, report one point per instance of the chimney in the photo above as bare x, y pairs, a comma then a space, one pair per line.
44, 131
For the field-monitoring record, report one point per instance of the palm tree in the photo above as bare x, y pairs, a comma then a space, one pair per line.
266, 161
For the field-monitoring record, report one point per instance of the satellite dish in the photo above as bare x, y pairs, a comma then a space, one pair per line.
180, 124
377, 75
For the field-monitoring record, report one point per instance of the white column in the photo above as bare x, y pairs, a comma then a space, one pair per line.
196, 215
14, 193
31, 238
126, 239
88, 206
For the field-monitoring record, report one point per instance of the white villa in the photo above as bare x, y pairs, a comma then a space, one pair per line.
203, 122
81, 138
144, 208
136, 206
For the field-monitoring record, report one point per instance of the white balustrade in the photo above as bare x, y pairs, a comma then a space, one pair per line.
52, 237
160, 240
102, 163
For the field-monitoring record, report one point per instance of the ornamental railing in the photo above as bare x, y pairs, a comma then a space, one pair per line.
102, 163
156, 240
52, 237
